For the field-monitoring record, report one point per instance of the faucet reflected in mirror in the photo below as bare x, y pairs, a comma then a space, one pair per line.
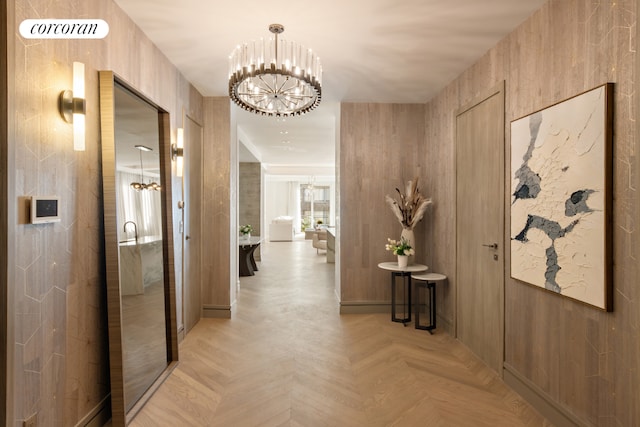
135, 228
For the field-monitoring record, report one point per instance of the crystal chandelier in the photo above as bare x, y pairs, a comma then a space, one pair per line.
138, 186
275, 77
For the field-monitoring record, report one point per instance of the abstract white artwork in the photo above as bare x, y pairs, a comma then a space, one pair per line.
561, 198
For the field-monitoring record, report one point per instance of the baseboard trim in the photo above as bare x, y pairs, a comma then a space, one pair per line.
99, 415
216, 311
365, 307
445, 325
539, 399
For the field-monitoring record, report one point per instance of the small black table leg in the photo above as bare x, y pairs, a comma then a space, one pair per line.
406, 279
433, 311
431, 289
252, 257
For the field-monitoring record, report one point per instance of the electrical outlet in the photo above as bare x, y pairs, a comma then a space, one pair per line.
32, 421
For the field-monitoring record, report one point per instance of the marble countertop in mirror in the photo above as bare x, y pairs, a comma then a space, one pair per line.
141, 241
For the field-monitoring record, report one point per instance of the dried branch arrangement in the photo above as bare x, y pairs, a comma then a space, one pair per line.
411, 207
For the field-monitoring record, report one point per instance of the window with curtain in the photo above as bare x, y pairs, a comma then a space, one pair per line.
315, 204
142, 207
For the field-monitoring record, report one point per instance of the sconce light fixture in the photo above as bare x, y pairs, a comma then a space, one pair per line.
177, 151
72, 106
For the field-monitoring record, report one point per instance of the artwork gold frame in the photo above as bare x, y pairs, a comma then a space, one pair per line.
561, 203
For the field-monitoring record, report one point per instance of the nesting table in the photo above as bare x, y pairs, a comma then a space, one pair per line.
428, 281
405, 274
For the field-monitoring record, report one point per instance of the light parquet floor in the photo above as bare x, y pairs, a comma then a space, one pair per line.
288, 358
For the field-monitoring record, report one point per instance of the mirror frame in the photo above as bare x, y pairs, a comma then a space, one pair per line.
107, 83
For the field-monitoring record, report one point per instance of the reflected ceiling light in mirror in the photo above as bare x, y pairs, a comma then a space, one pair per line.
72, 106
138, 186
177, 151
275, 77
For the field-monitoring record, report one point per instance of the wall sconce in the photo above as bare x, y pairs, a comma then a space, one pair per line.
177, 151
73, 106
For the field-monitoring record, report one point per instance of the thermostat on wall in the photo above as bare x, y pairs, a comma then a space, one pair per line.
45, 209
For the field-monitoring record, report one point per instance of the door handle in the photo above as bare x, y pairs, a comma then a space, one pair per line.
492, 246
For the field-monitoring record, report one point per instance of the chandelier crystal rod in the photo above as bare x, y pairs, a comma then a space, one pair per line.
275, 77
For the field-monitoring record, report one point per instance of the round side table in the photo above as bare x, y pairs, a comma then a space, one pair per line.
405, 273
427, 281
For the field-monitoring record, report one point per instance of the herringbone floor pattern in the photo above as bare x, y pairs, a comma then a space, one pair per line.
288, 358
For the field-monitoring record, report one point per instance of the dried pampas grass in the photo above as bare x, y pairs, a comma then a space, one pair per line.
411, 207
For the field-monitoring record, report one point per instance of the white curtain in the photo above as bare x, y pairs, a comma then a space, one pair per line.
294, 205
142, 207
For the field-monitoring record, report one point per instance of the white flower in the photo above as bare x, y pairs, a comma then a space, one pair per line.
401, 247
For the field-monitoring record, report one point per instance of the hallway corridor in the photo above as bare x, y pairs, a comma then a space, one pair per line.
288, 358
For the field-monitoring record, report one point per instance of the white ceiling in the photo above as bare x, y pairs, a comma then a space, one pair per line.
136, 123
389, 51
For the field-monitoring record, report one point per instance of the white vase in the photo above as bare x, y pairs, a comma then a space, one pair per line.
403, 261
410, 238
245, 237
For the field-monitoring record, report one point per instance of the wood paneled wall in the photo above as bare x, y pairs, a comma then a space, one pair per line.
58, 318
6, 337
379, 146
220, 170
585, 361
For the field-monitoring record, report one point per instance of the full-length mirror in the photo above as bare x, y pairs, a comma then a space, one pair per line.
137, 220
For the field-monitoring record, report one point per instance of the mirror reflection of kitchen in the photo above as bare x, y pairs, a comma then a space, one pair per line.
139, 219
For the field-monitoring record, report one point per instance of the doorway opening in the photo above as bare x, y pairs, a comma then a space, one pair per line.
286, 181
